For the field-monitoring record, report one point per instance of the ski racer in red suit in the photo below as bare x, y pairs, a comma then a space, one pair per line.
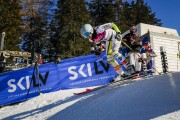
109, 34
147, 54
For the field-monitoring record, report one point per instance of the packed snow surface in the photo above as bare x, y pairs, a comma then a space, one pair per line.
156, 98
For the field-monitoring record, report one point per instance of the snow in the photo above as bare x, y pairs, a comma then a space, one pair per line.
156, 98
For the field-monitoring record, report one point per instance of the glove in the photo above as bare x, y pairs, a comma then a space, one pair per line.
95, 51
148, 54
118, 36
140, 60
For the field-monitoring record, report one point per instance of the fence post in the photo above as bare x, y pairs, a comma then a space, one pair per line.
2, 40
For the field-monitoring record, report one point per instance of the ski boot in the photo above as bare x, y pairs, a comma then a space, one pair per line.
116, 78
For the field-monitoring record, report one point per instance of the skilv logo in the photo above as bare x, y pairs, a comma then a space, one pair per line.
15, 84
75, 72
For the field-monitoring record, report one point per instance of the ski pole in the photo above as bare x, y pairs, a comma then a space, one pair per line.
30, 85
138, 55
37, 76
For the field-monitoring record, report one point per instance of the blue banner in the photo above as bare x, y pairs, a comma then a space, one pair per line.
14, 85
85, 71
76, 72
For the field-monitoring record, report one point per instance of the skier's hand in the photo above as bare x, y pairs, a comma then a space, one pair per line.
118, 36
140, 60
148, 54
140, 43
132, 41
96, 52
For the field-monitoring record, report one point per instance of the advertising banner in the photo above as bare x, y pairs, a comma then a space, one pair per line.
77, 72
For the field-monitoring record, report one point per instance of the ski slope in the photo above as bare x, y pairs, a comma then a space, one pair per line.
156, 98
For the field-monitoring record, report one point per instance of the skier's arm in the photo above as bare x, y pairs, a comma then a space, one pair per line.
118, 32
143, 55
125, 38
106, 26
136, 43
152, 54
97, 49
115, 28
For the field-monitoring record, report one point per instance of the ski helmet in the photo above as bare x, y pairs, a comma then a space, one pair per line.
86, 30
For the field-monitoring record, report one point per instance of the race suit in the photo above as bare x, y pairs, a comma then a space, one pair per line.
107, 33
147, 56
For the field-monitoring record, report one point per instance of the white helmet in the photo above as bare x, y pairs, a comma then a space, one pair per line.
86, 30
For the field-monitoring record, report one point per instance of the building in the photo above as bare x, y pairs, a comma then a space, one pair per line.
162, 37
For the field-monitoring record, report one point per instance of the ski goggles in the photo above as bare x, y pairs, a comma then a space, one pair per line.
86, 34
146, 45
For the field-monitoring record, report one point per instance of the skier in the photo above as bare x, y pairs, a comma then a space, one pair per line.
133, 45
111, 35
147, 54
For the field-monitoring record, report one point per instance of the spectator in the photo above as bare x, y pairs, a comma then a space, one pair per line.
58, 60
133, 46
147, 54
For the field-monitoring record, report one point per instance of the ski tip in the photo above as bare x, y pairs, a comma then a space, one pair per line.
87, 89
76, 93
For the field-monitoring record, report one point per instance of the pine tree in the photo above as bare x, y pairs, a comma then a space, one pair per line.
118, 10
102, 11
36, 35
144, 14
11, 23
125, 17
36, 18
70, 15
137, 12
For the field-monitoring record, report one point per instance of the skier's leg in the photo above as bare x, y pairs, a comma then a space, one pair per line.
137, 63
124, 61
114, 63
149, 68
144, 62
131, 65
144, 67
131, 58
111, 60
117, 54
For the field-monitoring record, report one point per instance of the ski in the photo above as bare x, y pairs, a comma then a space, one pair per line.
123, 80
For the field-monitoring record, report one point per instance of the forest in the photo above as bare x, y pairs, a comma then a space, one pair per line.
52, 27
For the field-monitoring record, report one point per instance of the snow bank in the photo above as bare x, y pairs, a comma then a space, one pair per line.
151, 98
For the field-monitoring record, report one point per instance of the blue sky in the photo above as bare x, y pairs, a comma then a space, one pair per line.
166, 10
